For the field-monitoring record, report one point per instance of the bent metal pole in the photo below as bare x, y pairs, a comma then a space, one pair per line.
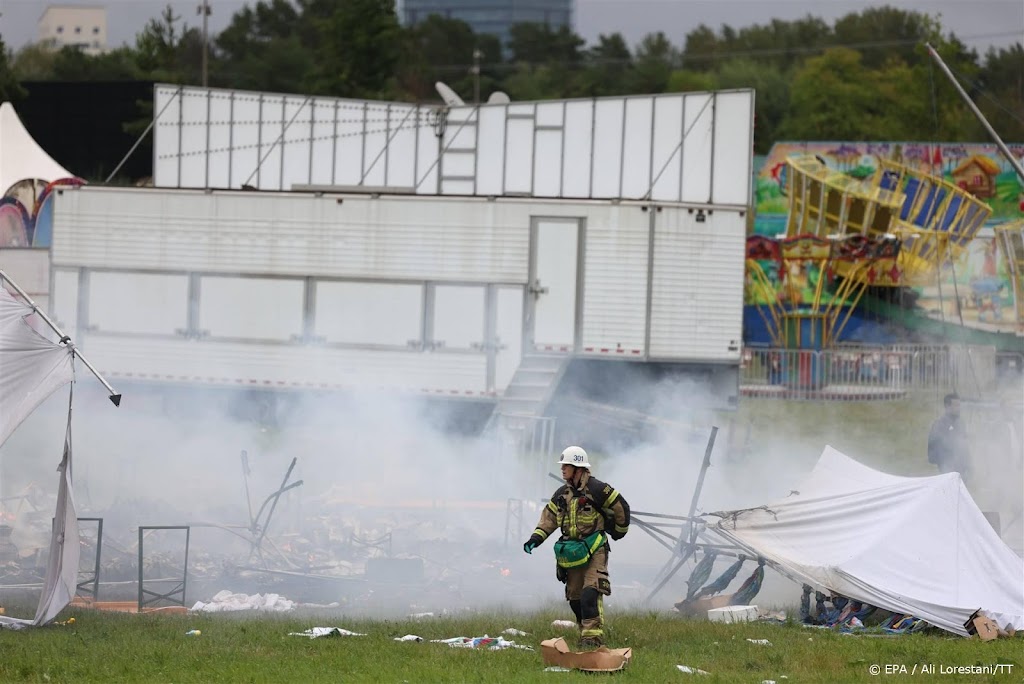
977, 112
115, 397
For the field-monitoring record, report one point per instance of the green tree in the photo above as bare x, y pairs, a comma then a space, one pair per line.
358, 49
442, 49
34, 62
608, 68
1001, 92
701, 49
832, 98
653, 64
69, 64
9, 88
540, 44
687, 81
882, 33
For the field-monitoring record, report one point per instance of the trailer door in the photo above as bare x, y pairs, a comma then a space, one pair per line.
555, 273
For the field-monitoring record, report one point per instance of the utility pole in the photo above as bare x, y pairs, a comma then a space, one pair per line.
475, 70
205, 10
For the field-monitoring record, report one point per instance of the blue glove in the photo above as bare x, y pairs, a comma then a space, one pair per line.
533, 543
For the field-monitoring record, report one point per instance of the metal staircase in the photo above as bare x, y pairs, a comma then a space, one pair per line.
533, 385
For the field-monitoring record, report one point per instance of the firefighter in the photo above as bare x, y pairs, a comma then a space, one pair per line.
588, 512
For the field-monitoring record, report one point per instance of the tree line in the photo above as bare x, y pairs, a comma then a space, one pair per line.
867, 76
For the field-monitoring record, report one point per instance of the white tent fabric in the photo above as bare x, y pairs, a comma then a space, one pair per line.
32, 368
912, 545
21, 157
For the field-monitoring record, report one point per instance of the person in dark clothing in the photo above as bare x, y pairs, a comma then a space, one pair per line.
947, 439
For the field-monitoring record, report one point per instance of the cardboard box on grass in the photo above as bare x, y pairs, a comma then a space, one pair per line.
556, 652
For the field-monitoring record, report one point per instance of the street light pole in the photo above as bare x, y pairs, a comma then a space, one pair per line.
205, 10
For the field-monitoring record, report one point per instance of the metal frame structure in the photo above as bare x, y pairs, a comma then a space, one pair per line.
94, 579
179, 588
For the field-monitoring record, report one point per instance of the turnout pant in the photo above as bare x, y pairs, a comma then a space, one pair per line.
585, 589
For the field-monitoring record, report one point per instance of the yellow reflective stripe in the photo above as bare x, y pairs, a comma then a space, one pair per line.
588, 518
619, 528
541, 533
575, 564
552, 507
591, 632
611, 498
573, 533
598, 542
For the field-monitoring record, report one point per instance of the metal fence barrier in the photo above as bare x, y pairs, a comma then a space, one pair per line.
867, 372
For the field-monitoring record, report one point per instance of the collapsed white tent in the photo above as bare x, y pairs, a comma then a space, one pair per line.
911, 545
31, 369
21, 157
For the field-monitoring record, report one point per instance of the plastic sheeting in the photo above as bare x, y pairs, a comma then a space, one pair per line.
21, 157
32, 368
912, 545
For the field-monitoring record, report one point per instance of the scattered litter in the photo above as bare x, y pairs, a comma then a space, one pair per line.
771, 615
855, 623
317, 632
512, 631
193, 632
768, 681
760, 642
691, 670
564, 623
409, 637
486, 642
418, 616
555, 668
226, 601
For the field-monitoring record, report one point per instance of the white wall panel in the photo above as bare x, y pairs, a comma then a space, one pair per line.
545, 173
519, 155
298, 129
698, 127
697, 289
257, 366
251, 308
323, 113
607, 171
636, 147
141, 303
459, 316
668, 133
608, 147
615, 286
491, 135
348, 152
219, 132
362, 313
402, 124
731, 161
64, 301
245, 151
579, 142
508, 332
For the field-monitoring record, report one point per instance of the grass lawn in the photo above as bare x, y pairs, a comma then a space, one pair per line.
106, 647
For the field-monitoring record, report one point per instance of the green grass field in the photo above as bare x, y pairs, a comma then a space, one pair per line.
105, 647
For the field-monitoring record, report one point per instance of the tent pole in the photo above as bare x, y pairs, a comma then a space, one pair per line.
115, 397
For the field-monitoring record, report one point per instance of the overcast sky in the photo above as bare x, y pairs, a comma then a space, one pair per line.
980, 23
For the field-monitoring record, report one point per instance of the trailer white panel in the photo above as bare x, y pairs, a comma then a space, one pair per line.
64, 301
285, 366
251, 308
137, 303
603, 148
459, 317
553, 284
615, 299
371, 314
508, 335
218, 166
406, 238
697, 288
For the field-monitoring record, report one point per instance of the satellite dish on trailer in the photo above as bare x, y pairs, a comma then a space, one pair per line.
450, 97
498, 97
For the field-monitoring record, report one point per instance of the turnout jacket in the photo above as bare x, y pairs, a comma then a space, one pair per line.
579, 512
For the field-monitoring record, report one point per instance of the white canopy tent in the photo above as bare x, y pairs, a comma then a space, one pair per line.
912, 545
21, 157
32, 368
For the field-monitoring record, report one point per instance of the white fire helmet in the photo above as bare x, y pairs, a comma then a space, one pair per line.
575, 456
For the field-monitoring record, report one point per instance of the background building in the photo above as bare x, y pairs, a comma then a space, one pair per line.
495, 17
82, 26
